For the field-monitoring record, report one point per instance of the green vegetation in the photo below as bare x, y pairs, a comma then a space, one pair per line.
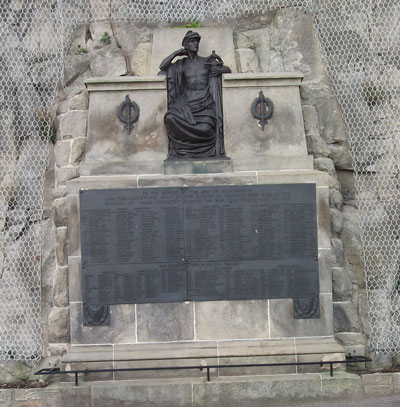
10, 355
191, 24
81, 50
105, 38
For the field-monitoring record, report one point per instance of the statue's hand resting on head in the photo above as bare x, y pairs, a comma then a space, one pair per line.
167, 61
182, 52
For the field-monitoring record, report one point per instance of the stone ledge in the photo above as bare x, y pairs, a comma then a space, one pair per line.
256, 348
321, 179
101, 182
89, 353
255, 390
109, 168
318, 345
206, 349
172, 167
126, 83
262, 79
252, 390
272, 163
378, 379
178, 180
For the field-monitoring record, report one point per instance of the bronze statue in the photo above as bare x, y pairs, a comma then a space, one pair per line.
194, 116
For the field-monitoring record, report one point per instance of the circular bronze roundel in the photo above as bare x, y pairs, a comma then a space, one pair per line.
128, 112
262, 109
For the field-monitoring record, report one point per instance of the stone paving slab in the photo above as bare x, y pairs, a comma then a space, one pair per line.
249, 391
286, 390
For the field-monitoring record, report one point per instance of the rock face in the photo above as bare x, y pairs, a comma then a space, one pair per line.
140, 62
345, 317
342, 286
58, 329
109, 62
73, 124
248, 60
12, 372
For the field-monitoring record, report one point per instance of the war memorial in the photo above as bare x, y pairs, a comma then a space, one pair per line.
198, 203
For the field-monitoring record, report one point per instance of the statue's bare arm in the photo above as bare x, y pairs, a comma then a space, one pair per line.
167, 61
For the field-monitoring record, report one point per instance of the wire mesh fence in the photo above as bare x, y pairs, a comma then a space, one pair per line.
360, 43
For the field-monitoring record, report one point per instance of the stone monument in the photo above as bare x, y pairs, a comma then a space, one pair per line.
289, 323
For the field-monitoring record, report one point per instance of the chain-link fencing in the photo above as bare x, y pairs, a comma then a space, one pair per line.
360, 42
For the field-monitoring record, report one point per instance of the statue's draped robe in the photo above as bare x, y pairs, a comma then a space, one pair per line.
195, 126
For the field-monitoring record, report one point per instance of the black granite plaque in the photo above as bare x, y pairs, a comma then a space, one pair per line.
250, 222
132, 226
252, 279
134, 283
199, 243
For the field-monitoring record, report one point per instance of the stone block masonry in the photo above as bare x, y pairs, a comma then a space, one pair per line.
254, 391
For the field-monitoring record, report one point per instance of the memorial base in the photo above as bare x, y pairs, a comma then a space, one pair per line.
207, 353
254, 391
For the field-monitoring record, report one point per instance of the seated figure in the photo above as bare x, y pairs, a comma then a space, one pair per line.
194, 116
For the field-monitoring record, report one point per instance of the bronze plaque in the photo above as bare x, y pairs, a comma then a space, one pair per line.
199, 243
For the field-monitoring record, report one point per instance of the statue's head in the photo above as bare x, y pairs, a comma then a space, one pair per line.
190, 39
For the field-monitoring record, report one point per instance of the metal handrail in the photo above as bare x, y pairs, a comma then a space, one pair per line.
57, 370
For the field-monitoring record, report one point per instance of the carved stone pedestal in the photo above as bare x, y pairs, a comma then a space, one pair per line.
197, 166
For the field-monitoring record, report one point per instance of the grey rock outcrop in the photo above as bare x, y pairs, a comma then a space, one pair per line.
14, 372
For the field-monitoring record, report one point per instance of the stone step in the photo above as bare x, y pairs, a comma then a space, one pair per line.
285, 369
248, 391
207, 353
